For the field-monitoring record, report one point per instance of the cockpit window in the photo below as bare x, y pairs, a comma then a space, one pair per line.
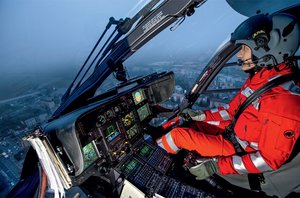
186, 50
43, 49
223, 87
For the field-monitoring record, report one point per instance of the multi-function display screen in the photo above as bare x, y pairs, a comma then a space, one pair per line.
131, 166
138, 96
89, 154
111, 132
143, 112
132, 132
145, 151
128, 119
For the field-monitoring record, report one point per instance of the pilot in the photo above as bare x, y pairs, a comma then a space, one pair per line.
267, 130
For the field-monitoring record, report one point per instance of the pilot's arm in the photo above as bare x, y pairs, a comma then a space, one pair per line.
211, 121
221, 116
203, 137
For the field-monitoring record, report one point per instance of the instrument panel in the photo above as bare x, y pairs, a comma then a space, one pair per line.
112, 140
111, 130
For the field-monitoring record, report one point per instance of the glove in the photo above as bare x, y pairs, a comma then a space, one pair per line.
196, 115
206, 168
154, 132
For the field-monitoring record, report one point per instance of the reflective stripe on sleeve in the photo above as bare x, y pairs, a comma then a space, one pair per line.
171, 143
259, 162
247, 92
160, 144
239, 165
254, 145
224, 114
217, 123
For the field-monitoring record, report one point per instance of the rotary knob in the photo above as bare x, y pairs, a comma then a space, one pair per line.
101, 119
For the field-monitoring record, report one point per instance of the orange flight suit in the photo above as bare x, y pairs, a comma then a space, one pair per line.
267, 129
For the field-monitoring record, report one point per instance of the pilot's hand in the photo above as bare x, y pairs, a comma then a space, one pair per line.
206, 168
190, 114
154, 132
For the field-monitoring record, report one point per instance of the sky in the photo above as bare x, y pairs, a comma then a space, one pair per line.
41, 36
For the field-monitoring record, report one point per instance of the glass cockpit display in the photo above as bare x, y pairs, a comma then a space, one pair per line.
143, 112
138, 96
111, 132
145, 151
132, 132
128, 119
131, 167
89, 154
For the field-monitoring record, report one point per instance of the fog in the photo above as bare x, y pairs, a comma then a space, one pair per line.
49, 37
41, 34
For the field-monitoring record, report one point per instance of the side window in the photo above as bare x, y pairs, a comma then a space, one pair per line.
222, 88
225, 85
231, 77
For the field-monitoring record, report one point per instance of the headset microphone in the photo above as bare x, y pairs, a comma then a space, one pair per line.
241, 62
259, 60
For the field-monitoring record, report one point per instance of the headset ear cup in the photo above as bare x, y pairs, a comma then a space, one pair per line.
262, 41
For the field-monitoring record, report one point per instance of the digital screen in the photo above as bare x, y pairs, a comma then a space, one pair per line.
146, 151
89, 154
143, 112
128, 119
133, 131
111, 132
138, 96
131, 167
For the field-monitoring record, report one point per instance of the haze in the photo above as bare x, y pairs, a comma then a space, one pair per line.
43, 39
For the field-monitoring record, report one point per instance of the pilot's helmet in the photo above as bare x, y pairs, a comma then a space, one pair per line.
272, 38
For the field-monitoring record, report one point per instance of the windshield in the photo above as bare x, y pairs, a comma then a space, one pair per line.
188, 48
44, 44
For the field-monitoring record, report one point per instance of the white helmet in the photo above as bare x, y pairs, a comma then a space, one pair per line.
272, 38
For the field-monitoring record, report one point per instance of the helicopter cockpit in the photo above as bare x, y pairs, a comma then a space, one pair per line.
107, 140
98, 145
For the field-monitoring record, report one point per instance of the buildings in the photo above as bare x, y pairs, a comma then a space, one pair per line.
20, 116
